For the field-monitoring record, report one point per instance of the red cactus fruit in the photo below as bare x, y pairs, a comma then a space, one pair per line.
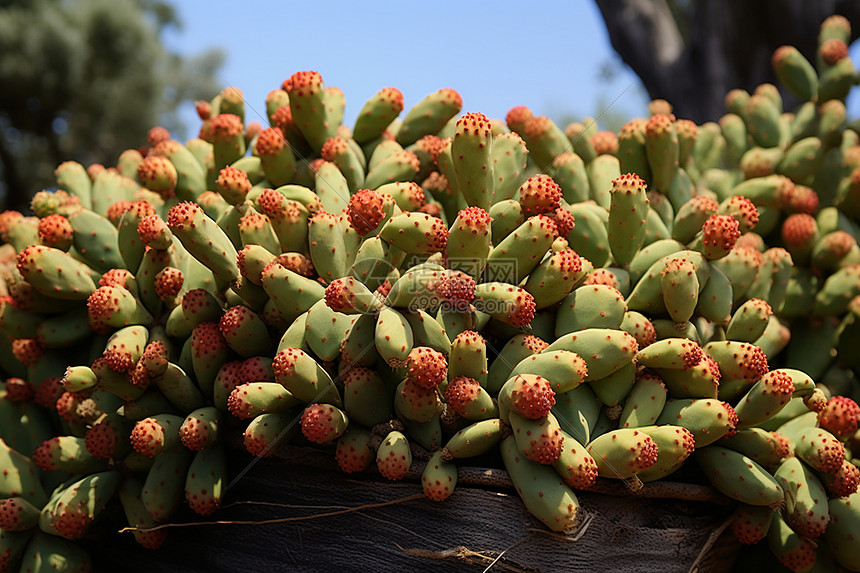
226, 126
142, 209
283, 118
158, 174
45, 455
182, 214
147, 436
419, 396
101, 305
659, 105
432, 209
731, 417
67, 405
367, 209
461, 392
233, 319
532, 396
517, 117
474, 123
296, 262
537, 126
238, 405
564, 220
194, 434
140, 376
475, 219
413, 195
719, 234
303, 83
604, 142
431, 145
833, 50
117, 278
339, 294
703, 204
194, 301
28, 351
838, 243
687, 129
546, 447
393, 467
253, 221
71, 522
602, 277
384, 289
844, 481
456, 287
744, 210
284, 362
56, 231
534, 343
333, 147
751, 241
840, 417
521, 310
11, 513
659, 123
252, 130
7, 219
168, 283
270, 141
453, 97
800, 557
317, 425
540, 195
568, 261
116, 210
393, 96
426, 367
746, 528
803, 200
156, 135
155, 356
45, 202
782, 448
101, 440
233, 184
118, 358
151, 228
351, 457
19, 390
49, 391
799, 229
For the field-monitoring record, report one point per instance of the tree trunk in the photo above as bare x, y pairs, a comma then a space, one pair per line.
692, 53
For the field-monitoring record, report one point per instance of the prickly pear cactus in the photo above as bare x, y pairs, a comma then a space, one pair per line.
573, 305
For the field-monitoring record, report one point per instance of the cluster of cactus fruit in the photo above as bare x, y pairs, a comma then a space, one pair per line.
591, 305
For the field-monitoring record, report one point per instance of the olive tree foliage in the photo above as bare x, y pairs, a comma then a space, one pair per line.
83, 80
691, 52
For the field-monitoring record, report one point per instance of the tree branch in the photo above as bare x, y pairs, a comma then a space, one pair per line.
726, 44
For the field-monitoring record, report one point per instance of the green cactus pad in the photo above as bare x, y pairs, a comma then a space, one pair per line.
739, 477
604, 350
304, 377
644, 402
708, 419
544, 492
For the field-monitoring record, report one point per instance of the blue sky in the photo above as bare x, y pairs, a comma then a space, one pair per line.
496, 55
547, 55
